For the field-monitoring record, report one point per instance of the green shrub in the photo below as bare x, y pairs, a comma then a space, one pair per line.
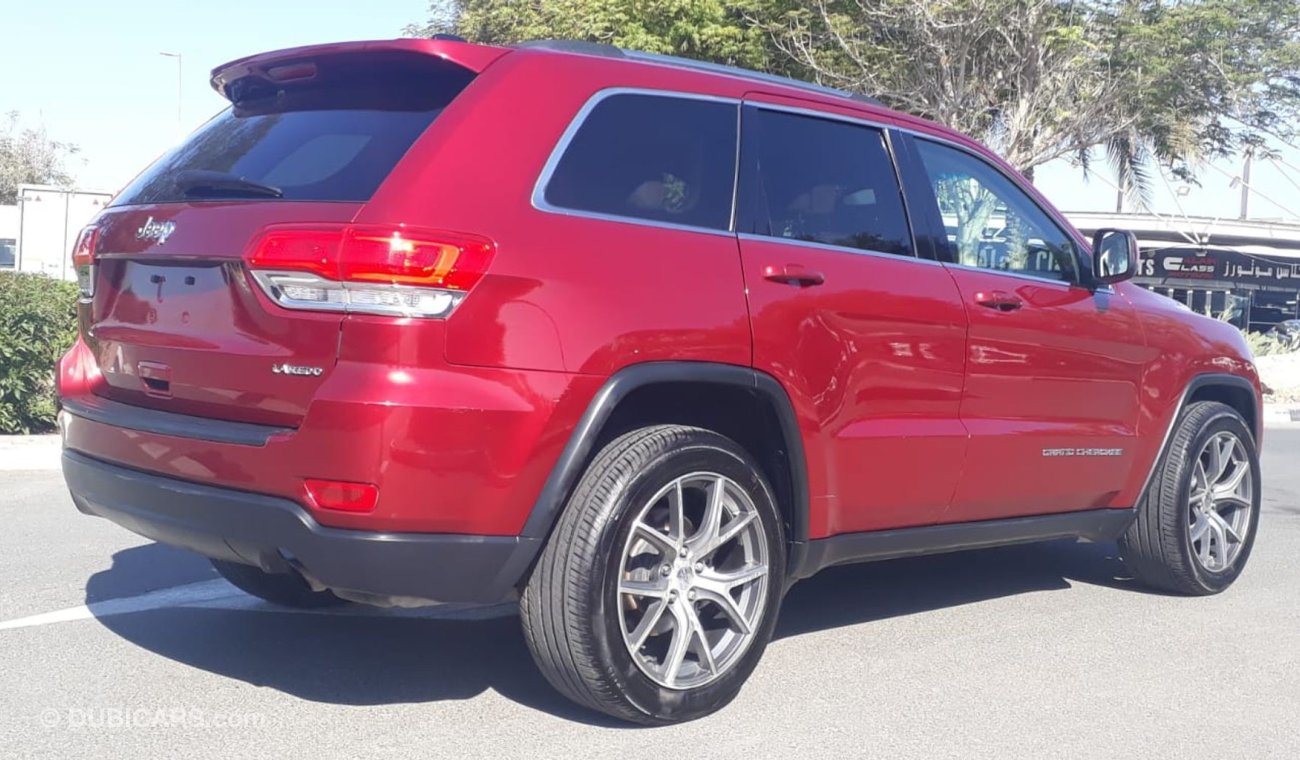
38, 322
1262, 344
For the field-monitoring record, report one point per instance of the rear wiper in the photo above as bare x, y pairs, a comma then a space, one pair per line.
204, 183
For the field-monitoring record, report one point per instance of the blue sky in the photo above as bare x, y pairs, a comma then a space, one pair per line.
92, 74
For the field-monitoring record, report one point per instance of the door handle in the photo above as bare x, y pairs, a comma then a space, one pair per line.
793, 274
997, 299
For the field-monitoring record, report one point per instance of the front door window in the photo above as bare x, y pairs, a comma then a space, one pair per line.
991, 223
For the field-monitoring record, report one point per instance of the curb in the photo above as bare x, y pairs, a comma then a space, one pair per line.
29, 452
1275, 413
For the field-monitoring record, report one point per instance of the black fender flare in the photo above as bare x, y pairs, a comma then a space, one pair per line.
1255, 423
580, 447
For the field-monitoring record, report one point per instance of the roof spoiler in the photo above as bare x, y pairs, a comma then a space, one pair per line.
294, 64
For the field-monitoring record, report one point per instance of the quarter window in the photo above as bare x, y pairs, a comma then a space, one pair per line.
991, 223
653, 157
822, 181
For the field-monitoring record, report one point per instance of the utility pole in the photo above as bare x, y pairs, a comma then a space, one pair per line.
1245, 181
179, 80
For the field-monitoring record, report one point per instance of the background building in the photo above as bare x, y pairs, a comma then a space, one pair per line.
1247, 272
37, 234
8, 237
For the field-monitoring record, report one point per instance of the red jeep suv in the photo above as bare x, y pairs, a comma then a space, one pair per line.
635, 340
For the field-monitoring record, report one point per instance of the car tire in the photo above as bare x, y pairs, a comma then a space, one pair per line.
1196, 524
607, 607
284, 589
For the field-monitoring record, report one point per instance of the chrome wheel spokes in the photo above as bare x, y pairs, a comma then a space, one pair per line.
1220, 498
693, 580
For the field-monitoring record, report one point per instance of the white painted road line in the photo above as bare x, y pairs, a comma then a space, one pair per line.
177, 596
218, 594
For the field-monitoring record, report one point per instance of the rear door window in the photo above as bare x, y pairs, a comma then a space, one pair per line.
668, 159
821, 181
335, 137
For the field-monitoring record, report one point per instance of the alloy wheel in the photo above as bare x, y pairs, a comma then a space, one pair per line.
693, 580
1220, 502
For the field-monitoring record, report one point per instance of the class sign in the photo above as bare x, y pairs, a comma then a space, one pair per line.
1218, 264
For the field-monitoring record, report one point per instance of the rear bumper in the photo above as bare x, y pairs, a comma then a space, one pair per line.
452, 450
270, 532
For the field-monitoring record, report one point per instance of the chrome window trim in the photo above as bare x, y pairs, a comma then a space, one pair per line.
540, 203
1033, 277
837, 248
1017, 275
734, 220
814, 113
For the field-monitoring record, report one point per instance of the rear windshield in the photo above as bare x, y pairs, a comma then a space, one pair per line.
334, 137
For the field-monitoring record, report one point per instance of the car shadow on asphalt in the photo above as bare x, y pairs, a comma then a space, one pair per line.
380, 660
148, 568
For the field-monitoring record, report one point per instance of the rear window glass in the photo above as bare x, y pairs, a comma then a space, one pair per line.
331, 138
664, 159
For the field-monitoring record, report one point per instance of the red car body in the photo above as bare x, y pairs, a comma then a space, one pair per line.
912, 405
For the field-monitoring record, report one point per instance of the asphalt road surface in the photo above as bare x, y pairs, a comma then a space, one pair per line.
111, 646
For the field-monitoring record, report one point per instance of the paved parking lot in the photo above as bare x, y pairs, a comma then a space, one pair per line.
112, 646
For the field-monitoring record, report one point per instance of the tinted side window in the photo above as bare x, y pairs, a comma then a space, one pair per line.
822, 181
666, 159
991, 223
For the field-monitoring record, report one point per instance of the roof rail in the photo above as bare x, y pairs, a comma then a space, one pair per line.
609, 51
735, 71
581, 47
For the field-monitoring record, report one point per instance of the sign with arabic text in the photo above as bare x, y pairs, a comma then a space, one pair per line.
1219, 264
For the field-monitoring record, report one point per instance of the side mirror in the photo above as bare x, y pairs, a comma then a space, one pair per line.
1114, 256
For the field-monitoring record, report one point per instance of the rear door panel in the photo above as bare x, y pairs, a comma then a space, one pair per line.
872, 357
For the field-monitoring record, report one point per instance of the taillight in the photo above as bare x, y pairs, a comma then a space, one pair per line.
365, 269
83, 260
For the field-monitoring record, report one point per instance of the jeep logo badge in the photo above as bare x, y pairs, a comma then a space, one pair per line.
297, 369
152, 230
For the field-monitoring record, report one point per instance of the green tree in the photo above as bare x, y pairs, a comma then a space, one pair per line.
1204, 79
1178, 81
713, 30
29, 156
1043, 79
